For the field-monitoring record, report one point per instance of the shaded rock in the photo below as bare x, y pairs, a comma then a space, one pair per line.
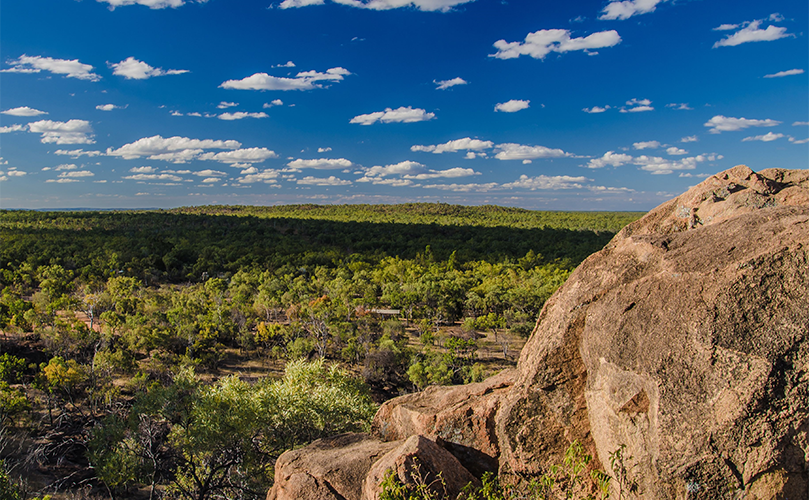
419, 460
685, 340
460, 418
328, 469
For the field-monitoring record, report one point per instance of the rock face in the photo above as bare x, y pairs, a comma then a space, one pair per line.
686, 340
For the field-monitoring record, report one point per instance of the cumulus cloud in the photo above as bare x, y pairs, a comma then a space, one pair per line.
798, 124
154, 177
75, 153
424, 5
323, 150
69, 132
465, 144
675, 151
637, 106
240, 115
71, 68
320, 164
752, 33
445, 84
133, 69
412, 170
690, 138
23, 111
225, 105
209, 173
247, 155
13, 128
74, 174
266, 176
596, 109
275, 102
680, 106
541, 43
512, 106
152, 4
544, 182
399, 115
108, 107
768, 137
465, 188
719, 124
328, 181
11, 172
628, 8
511, 151
402, 168
142, 170
610, 158
65, 166
781, 74
305, 80
662, 166
177, 148
646, 145
796, 141
726, 27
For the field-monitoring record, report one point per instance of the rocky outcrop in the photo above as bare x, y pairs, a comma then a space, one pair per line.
685, 340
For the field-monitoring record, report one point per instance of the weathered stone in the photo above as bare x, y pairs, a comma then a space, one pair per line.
685, 340
460, 418
419, 460
328, 469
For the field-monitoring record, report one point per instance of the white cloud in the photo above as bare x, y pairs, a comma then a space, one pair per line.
275, 102
399, 115
544, 182
210, 180
108, 107
646, 145
768, 137
690, 138
305, 80
174, 149
680, 106
142, 170
69, 132
628, 8
450, 173
152, 4
225, 105
596, 109
320, 164
133, 69
445, 84
465, 188
75, 153
34, 64
511, 151
541, 43
795, 141
752, 33
76, 174
66, 166
329, 181
323, 150
23, 111
467, 143
288, 64
240, 115
209, 173
247, 155
719, 124
13, 172
726, 27
63, 180
799, 124
266, 176
661, 166
789, 72
610, 158
13, 128
402, 168
424, 5
154, 177
675, 151
512, 106
640, 105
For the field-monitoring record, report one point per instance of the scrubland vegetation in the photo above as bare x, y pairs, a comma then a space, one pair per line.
176, 354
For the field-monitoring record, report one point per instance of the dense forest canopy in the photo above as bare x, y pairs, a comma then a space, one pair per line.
142, 350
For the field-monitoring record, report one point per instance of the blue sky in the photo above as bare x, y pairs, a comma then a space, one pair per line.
587, 105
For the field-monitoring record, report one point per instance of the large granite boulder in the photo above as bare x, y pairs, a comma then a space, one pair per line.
684, 340
684, 343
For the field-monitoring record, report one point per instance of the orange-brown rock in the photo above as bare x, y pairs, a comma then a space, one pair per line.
419, 460
685, 340
328, 469
461, 418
